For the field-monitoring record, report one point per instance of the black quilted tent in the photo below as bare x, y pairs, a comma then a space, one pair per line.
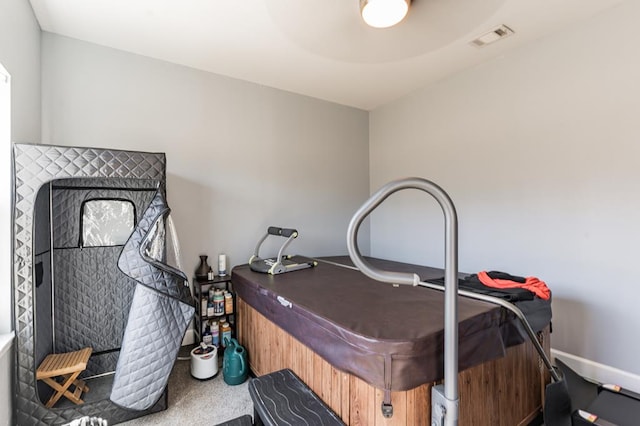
92, 268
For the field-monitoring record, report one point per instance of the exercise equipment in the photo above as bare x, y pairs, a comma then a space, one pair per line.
281, 398
281, 263
587, 403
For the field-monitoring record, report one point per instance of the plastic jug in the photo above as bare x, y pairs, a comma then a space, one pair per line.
234, 363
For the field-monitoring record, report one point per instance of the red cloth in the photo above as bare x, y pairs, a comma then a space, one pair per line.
533, 284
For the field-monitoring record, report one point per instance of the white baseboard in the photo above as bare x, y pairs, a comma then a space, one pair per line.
189, 337
597, 372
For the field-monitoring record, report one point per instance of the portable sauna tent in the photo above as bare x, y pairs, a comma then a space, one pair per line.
93, 268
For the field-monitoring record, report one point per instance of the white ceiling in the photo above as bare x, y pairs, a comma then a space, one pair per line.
319, 48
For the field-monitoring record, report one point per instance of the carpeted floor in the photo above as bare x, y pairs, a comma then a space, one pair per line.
207, 402
192, 401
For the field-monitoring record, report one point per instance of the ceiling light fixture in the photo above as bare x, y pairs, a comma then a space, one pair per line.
383, 13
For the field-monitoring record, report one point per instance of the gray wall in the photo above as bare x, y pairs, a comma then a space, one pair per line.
20, 56
240, 156
6, 338
539, 150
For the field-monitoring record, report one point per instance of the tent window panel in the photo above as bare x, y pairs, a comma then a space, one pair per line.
107, 222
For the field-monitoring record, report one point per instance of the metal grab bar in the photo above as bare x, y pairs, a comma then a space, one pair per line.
444, 399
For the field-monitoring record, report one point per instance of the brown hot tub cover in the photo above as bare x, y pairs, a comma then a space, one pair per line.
391, 337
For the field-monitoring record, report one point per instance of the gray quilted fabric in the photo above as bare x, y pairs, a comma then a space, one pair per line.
92, 300
101, 363
66, 212
34, 166
159, 316
152, 339
132, 264
66, 217
104, 408
92, 297
119, 183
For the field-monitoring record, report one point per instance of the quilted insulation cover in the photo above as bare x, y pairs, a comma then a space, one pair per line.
92, 297
34, 166
160, 313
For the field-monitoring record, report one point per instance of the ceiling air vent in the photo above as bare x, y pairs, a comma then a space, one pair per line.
494, 35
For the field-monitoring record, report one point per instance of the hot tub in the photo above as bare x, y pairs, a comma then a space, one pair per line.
357, 341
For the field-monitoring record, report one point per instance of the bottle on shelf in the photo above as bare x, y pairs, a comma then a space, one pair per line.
215, 334
222, 264
206, 336
228, 303
225, 334
204, 303
218, 303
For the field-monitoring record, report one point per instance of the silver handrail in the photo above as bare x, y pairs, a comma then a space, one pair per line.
444, 405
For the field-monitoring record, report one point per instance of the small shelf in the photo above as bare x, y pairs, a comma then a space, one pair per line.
216, 279
201, 289
205, 317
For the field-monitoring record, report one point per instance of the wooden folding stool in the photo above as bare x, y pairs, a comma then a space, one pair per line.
60, 371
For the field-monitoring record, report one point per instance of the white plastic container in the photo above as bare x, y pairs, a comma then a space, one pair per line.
204, 362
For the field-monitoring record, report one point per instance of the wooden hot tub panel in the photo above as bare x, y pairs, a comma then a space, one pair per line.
507, 391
